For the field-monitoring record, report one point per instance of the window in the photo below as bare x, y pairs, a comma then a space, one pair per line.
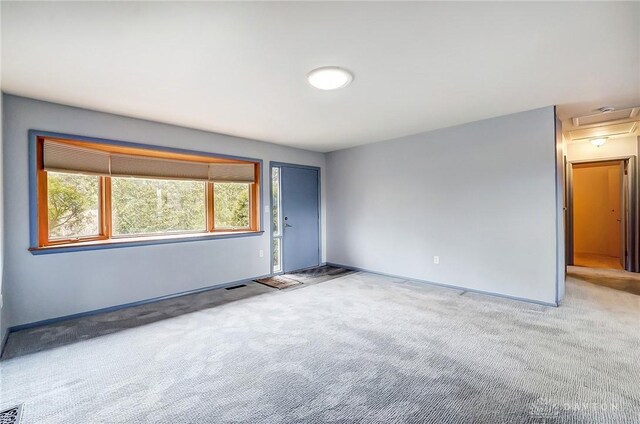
276, 260
235, 198
103, 193
74, 205
148, 206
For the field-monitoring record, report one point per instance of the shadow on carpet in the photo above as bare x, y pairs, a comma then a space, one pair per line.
612, 278
305, 277
71, 331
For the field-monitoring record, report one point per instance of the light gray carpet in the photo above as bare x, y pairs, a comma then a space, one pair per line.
613, 278
361, 348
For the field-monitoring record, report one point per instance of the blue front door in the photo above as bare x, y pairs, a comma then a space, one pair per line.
300, 218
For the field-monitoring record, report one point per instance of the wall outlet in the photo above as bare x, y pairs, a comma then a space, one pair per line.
262, 253
436, 260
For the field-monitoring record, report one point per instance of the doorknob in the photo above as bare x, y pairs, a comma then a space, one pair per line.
287, 225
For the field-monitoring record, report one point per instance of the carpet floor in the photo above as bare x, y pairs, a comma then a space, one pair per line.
360, 348
613, 278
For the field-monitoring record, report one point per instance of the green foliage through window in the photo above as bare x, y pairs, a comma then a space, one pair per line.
276, 255
275, 200
150, 206
141, 206
73, 205
231, 205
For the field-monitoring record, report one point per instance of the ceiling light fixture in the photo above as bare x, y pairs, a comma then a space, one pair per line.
329, 78
606, 109
598, 141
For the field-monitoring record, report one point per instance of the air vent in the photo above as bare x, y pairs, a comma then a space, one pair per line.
11, 415
236, 287
599, 118
626, 128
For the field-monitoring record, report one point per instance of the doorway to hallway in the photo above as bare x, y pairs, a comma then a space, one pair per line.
601, 224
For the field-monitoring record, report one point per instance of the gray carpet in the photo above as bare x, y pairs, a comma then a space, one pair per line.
613, 278
319, 274
75, 330
360, 348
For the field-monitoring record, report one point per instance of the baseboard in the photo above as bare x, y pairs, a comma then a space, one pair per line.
126, 305
449, 286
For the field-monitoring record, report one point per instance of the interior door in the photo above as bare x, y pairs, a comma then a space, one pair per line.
301, 218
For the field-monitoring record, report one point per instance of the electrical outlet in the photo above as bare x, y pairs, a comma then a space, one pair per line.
262, 253
436, 260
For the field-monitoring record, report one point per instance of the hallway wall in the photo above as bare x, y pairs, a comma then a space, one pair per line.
479, 196
615, 147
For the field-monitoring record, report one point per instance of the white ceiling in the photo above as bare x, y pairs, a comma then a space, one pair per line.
239, 68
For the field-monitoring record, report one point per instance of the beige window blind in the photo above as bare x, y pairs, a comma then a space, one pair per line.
232, 172
140, 166
59, 157
62, 157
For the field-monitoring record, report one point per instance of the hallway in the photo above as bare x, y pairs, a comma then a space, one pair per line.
594, 260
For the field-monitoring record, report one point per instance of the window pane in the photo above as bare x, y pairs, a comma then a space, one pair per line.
150, 206
231, 205
275, 200
74, 205
276, 255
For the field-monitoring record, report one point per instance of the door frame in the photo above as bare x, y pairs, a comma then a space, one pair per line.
631, 236
273, 164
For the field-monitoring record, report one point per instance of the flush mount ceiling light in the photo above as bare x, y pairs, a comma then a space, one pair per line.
329, 78
598, 141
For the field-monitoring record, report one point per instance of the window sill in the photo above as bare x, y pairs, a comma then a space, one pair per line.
140, 241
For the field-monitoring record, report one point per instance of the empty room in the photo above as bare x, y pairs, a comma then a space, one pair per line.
319, 212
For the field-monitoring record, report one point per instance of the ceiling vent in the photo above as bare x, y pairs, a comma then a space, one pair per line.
627, 128
599, 118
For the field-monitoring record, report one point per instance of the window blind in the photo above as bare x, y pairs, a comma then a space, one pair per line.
140, 166
62, 157
232, 172
59, 157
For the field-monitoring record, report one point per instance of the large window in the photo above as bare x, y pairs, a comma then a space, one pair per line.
102, 193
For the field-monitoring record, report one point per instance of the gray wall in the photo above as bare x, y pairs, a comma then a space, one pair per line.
482, 196
54, 285
4, 317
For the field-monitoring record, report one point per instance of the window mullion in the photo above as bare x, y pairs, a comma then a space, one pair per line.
106, 215
210, 208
